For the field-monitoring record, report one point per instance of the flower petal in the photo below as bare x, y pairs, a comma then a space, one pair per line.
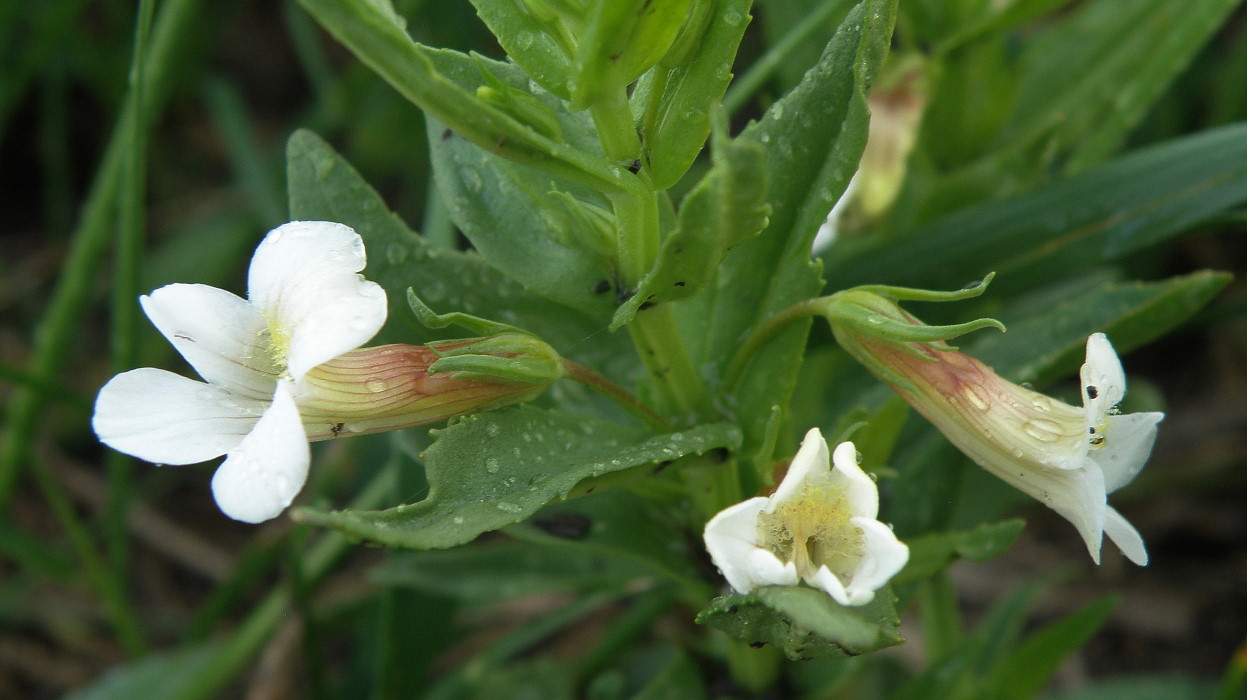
1078, 496
810, 463
221, 335
265, 472
1103, 380
166, 418
830, 584
861, 492
303, 280
1127, 445
1123, 534
765, 569
731, 536
884, 557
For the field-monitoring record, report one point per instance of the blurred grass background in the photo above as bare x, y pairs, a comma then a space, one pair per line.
108, 191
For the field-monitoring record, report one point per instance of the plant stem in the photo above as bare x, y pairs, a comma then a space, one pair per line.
613, 119
661, 347
768, 328
616, 393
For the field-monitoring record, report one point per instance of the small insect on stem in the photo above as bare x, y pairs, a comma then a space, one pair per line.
336, 428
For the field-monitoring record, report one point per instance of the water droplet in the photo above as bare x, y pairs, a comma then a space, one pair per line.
1044, 430
733, 18
375, 384
492, 430
491, 465
509, 508
524, 40
472, 179
324, 169
777, 110
876, 319
977, 396
396, 253
433, 291
458, 520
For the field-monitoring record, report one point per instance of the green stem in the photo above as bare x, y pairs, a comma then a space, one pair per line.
56, 330
661, 346
768, 328
110, 590
755, 670
131, 201
613, 119
616, 393
245, 643
762, 69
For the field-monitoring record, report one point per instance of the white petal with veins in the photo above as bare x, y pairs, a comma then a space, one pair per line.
221, 335
261, 476
166, 418
304, 280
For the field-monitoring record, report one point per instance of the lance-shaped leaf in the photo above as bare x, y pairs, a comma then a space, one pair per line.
529, 42
1099, 215
805, 623
510, 212
929, 554
725, 209
621, 40
323, 186
1040, 346
490, 470
813, 139
675, 121
376, 35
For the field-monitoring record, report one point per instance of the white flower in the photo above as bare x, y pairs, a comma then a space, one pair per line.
306, 305
819, 526
1067, 457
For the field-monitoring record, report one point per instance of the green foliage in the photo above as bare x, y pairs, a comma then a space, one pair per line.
490, 470
1068, 148
804, 623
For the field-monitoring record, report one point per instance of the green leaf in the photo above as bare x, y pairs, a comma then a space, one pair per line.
805, 623
163, 675
725, 209
377, 36
490, 470
620, 41
1053, 341
505, 570
621, 525
930, 554
1100, 215
678, 680
1026, 670
527, 42
1141, 687
510, 212
676, 122
1087, 80
813, 138
323, 186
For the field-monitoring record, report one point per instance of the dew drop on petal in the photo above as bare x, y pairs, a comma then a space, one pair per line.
375, 385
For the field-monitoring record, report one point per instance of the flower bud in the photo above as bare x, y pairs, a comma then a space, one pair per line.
389, 387
1067, 457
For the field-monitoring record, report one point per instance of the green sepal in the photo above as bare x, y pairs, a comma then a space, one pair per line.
725, 209
621, 40
580, 224
431, 319
805, 623
872, 322
514, 358
969, 291
520, 105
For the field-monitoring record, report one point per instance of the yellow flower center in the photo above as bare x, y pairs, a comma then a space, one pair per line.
813, 530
